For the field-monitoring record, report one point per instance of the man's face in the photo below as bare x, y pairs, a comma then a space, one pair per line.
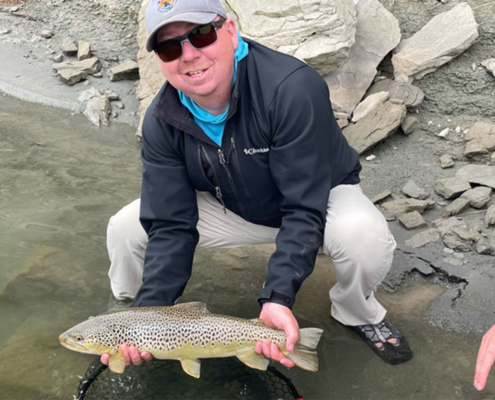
205, 75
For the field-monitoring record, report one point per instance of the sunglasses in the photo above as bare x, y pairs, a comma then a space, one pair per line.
199, 37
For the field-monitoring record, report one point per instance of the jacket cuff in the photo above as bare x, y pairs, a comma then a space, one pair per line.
272, 296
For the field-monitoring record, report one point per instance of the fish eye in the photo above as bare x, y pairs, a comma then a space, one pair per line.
78, 338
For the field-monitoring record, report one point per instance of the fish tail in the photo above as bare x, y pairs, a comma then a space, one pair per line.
304, 354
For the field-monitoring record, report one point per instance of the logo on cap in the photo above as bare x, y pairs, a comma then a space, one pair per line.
166, 5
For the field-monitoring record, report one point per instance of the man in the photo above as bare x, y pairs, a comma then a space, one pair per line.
241, 147
486, 357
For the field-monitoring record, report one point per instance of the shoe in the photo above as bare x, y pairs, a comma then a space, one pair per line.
380, 333
116, 304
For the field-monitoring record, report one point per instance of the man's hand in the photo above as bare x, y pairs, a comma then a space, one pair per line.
486, 357
131, 354
280, 317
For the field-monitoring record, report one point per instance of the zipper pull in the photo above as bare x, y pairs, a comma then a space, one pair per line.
232, 142
219, 197
221, 157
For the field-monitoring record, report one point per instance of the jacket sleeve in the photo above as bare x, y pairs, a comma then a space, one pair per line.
305, 137
169, 215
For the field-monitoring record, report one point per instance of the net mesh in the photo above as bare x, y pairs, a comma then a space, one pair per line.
225, 378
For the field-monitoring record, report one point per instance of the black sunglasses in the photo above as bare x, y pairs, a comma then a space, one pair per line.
199, 37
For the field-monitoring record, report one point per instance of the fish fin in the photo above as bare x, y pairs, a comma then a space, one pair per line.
116, 362
195, 306
255, 360
191, 366
257, 321
304, 354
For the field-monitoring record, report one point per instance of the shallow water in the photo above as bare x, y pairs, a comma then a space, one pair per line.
60, 181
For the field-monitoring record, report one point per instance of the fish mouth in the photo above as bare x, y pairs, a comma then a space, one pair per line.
66, 341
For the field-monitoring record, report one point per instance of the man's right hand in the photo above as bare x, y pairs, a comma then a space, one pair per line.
131, 354
486, 358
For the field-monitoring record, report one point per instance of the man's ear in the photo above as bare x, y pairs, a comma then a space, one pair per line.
232, 30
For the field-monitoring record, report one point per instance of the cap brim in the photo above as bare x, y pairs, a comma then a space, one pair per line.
191, 17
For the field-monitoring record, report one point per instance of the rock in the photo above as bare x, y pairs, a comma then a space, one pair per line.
490, 216
320, 33
492, 158
377, 33
380, 196
410, 95
58, 58
412, 220
376, 126
483, 246
69, 47
423, 238
456, 207
436, 43
112, 96
457, 238
412, 190
14, 9
98, 75
128, 69
451, 187
409, 125
46, 34
478, 197
4, 31
89, 66
83, 50
478, 174
368, 105
97, 108
444, 132
70, 76
403, 206
119, 105
489, 65
480, 139
446, 161
342, 123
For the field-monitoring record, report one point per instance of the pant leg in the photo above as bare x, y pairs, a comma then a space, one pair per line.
127, 240
360, 244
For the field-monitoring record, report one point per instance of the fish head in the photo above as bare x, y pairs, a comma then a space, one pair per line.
93, 336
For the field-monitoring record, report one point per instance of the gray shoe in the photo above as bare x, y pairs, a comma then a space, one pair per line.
116, 304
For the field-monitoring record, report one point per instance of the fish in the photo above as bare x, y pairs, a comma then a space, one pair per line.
186, 332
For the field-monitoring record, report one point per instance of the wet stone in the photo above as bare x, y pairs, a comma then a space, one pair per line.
380, 196
412, 220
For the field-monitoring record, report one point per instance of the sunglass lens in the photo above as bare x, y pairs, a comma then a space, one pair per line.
169, 50
203, 36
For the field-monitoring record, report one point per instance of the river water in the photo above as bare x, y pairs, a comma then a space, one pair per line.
60, 181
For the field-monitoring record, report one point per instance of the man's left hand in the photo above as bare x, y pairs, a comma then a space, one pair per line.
486, 357
279, 317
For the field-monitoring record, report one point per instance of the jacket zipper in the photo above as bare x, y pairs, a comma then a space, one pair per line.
237, 167
218, 191
221, 158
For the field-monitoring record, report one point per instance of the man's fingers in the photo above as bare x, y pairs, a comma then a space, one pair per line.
146, 356
104, 358
135, 356
125, 350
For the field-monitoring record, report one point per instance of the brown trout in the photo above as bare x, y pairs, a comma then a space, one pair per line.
185, 332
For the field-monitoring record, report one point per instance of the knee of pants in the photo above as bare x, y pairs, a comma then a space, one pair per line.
125, 230
359, 235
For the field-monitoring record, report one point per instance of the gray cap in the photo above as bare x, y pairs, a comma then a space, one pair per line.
163, 12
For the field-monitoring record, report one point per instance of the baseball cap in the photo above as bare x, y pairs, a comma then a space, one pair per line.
163, 12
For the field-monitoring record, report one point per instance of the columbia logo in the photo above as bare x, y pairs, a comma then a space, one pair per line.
250, 152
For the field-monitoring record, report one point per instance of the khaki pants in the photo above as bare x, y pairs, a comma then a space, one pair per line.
357, 239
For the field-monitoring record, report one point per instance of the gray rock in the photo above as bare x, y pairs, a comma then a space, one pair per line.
70, 76
478, 197
119, 105
456, 207
411, 189
69, 47
403, 206
490, 216
368, 105
58, 58
451, 187
379, 124
446, 161
489, 65
377, 33
127, 70
409, 125
89, 66
4, 31
83, 50
47, 34
380, 196
423, 238
457, 238
112, 96
342, 123
480, 139
410, 95
483, 246
97, 108
436, 43
477, 174
412, 220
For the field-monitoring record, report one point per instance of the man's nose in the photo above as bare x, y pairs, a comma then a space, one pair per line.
189, 52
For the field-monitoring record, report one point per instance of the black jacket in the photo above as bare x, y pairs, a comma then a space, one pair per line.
282, 151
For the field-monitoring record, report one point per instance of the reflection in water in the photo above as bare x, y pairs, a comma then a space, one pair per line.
61, 180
